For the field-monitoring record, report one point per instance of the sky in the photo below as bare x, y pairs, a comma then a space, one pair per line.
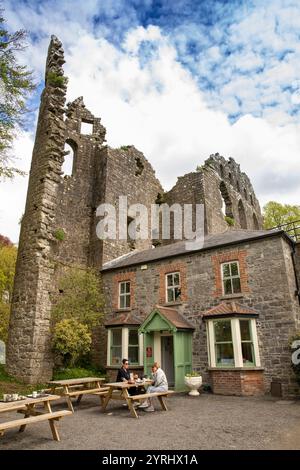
179, 79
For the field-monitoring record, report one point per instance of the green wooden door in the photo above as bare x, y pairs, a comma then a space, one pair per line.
148, 352
182, 357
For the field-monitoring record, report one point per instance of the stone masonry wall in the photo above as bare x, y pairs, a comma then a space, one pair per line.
224, 190
266, 266
28, 352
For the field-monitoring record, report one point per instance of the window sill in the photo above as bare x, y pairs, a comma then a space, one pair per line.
171, 304
232, 296
119, 310
236, 368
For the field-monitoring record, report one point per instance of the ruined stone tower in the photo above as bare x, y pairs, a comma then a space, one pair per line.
59, 224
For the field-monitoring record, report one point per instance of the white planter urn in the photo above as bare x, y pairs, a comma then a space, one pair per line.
194, 383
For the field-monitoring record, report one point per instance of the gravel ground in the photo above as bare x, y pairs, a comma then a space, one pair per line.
205, 422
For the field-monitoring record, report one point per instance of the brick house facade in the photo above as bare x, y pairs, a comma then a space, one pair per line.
267, 296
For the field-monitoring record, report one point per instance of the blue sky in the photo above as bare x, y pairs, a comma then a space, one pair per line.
179, 79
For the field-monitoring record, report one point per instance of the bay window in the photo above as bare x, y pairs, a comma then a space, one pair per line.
124, 342
232, 342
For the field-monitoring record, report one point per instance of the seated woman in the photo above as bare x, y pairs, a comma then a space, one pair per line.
159, 384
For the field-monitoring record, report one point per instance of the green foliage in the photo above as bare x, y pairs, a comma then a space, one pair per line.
16, 84
71, 340
277, 214
80, 297
56, 80
296, 351
60, 234
194, 373
8, 256
9, 384
125, 147
77, 373
230, 220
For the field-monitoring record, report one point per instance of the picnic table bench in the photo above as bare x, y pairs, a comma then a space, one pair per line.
31, 415
79, 387
123, 387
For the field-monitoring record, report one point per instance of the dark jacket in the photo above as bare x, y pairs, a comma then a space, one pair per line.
123, 374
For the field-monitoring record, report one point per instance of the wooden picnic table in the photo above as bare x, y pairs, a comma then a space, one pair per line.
31, 415
79, 387
123, 388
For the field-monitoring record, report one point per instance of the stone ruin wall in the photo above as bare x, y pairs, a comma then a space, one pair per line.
60, 202
224, 190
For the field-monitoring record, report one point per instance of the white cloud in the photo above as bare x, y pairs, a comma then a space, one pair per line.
158, 107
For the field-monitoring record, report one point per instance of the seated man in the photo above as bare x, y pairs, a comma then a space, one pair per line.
124, 376
160, 384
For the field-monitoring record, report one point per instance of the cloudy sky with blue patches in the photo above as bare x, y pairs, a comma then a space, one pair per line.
180, 79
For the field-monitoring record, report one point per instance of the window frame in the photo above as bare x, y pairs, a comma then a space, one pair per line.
250, 341
237, 344
134, 346
173, 287
112, 346
231, 277
216, 343
124, 345
124, 295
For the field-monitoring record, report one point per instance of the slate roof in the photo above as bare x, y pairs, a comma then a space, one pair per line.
230, 237
175, 317
125, 318
228, 308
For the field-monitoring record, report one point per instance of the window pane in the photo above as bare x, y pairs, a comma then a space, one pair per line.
122, 301
227, 286
177, 293
116, 353
169, 280
127, 301
133, 337
170, 295
176, 279
133, 354
234, 269
224, 353
222, 331
116, 337
236, 283
122, 288
247, 352
127, 287
226, 270
245, 330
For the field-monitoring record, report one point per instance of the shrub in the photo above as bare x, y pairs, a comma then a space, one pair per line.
229, 220
56, 80
194, 373
60, 234
71, 340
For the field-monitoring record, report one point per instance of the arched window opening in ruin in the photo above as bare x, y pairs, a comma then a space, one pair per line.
227, 204
242, 215
251, 200
238, 186
86, 128
245, 194
230, 177
255, 222
222, 171
131, 242
69, 158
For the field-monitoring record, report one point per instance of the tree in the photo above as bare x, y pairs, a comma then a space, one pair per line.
8, 256
71, 340
79, 297
16, 83
278, 214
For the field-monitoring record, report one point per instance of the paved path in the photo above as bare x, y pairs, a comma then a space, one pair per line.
205, 422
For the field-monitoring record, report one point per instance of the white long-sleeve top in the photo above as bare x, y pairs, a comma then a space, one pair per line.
160, 379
